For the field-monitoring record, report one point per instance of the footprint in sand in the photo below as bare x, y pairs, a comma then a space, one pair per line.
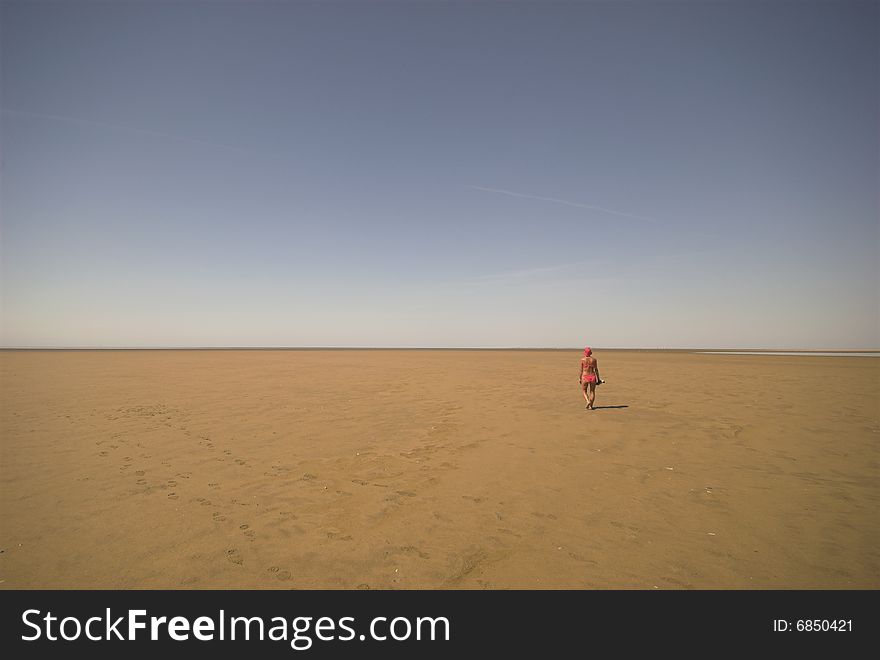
141, 482
219, 517
140, 473
103, 453
278, 573
284, 575
243, 526
581, 558
172, 496
214, 485
234, 556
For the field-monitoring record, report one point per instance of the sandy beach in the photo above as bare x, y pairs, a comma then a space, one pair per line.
437, 469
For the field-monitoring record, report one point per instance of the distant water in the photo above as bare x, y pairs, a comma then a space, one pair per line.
795, 353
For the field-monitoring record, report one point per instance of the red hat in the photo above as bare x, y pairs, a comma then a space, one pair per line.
588, 351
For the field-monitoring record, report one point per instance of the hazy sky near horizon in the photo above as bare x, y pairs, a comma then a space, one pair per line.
631, 174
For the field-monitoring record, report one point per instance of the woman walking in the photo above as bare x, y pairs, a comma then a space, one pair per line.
588, 377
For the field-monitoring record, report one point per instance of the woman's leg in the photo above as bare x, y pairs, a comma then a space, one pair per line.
584, 389
592, 396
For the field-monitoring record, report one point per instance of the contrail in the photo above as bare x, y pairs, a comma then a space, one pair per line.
562, 201
106, 124
527, 272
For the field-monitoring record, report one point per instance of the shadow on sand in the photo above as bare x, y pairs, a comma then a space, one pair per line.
609, 407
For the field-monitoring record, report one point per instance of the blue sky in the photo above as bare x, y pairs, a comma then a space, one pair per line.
632, 174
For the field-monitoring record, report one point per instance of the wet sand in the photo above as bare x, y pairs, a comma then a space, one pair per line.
437, 469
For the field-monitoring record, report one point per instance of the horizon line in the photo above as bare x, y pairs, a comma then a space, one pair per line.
428, 348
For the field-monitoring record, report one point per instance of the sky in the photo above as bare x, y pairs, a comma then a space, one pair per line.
664, 174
